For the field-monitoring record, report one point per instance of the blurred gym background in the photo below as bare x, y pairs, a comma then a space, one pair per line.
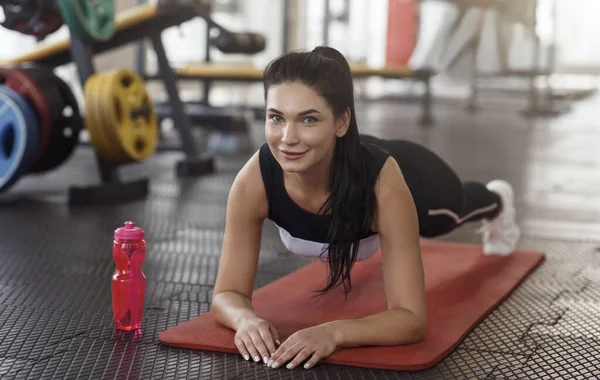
503, 42
498, 88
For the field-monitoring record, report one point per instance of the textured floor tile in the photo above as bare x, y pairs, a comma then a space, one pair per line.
28, 333
556, 358
189, 269
579, 321
158, 316
9, 366
468, 364
504, 329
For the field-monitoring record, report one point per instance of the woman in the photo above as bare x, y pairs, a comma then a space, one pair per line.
341, 196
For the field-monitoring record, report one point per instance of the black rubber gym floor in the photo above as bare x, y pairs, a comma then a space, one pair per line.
56, 264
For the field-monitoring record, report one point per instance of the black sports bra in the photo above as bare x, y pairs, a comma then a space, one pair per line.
303, 232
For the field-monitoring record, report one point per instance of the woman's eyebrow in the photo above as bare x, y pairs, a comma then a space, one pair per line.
312, 110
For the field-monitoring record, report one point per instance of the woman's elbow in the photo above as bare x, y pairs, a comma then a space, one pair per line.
220, 303
420, 332
215, 304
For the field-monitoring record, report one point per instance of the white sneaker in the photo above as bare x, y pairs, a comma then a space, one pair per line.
501, 234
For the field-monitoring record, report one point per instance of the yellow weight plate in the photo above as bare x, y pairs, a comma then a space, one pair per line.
122, 120
104, 107
96, 123
109, 143
134, 115
92, 122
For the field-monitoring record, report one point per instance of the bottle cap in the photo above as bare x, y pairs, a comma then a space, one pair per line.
129, 232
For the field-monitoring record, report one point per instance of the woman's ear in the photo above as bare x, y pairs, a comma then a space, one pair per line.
343, 122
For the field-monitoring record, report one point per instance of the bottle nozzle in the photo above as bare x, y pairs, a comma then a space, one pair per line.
129, 232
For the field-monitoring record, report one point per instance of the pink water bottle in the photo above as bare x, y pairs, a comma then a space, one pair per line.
128, 280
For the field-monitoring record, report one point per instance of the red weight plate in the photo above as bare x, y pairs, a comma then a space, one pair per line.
68, 122
27, 87
50, 21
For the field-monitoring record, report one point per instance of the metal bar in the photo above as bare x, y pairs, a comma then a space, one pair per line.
179, 116
140, 58
552, 59
207, 82
326, 17
285, 35
83, 58
473, 47
140, 51
426, 117
502, 23
472, 103
533, 95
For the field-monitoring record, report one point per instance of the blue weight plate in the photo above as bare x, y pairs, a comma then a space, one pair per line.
18, 136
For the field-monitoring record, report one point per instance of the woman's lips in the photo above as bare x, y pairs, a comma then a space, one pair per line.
291, 155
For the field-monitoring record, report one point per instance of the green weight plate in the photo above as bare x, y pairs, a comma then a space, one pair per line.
90, 20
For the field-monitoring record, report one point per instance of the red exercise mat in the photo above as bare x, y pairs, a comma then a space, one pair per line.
463, 286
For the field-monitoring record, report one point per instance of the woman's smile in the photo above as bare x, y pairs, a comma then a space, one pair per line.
291, 155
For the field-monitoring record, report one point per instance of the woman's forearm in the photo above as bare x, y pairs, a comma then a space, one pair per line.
392, 327
230, 308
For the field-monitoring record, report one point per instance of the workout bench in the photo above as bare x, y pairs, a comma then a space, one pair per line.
212, 72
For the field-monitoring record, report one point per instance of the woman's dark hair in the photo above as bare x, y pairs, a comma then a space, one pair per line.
351, 200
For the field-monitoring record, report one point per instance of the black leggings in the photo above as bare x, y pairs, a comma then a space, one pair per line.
442, 200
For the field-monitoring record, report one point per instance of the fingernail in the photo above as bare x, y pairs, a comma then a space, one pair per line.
306, 365
289, 366
269, 363
278, 342
247, 357
275, 365
257, 358
266, 359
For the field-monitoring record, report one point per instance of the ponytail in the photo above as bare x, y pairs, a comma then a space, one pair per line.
352, 205
351, 200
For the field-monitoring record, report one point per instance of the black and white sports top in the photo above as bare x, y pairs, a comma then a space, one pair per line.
303, 232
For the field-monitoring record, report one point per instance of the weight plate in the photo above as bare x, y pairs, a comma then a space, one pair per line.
103, 139
18, 136
102, 122
32, 17
90, 20
135, 113
67, 122
120, 117
28, 88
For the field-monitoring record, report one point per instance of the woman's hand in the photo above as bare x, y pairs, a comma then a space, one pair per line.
256, 338
314, 344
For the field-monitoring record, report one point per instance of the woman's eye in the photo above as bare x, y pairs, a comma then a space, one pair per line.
275, 118
309, 120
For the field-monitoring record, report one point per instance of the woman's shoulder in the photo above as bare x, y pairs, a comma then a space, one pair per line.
384, 164
377, 156
249, 187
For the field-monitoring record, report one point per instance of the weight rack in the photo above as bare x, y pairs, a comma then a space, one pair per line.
201, 112
112, 188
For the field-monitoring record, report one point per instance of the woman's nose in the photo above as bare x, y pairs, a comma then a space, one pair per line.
290, 135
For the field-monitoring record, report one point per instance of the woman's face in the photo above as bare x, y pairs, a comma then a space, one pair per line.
300, 128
